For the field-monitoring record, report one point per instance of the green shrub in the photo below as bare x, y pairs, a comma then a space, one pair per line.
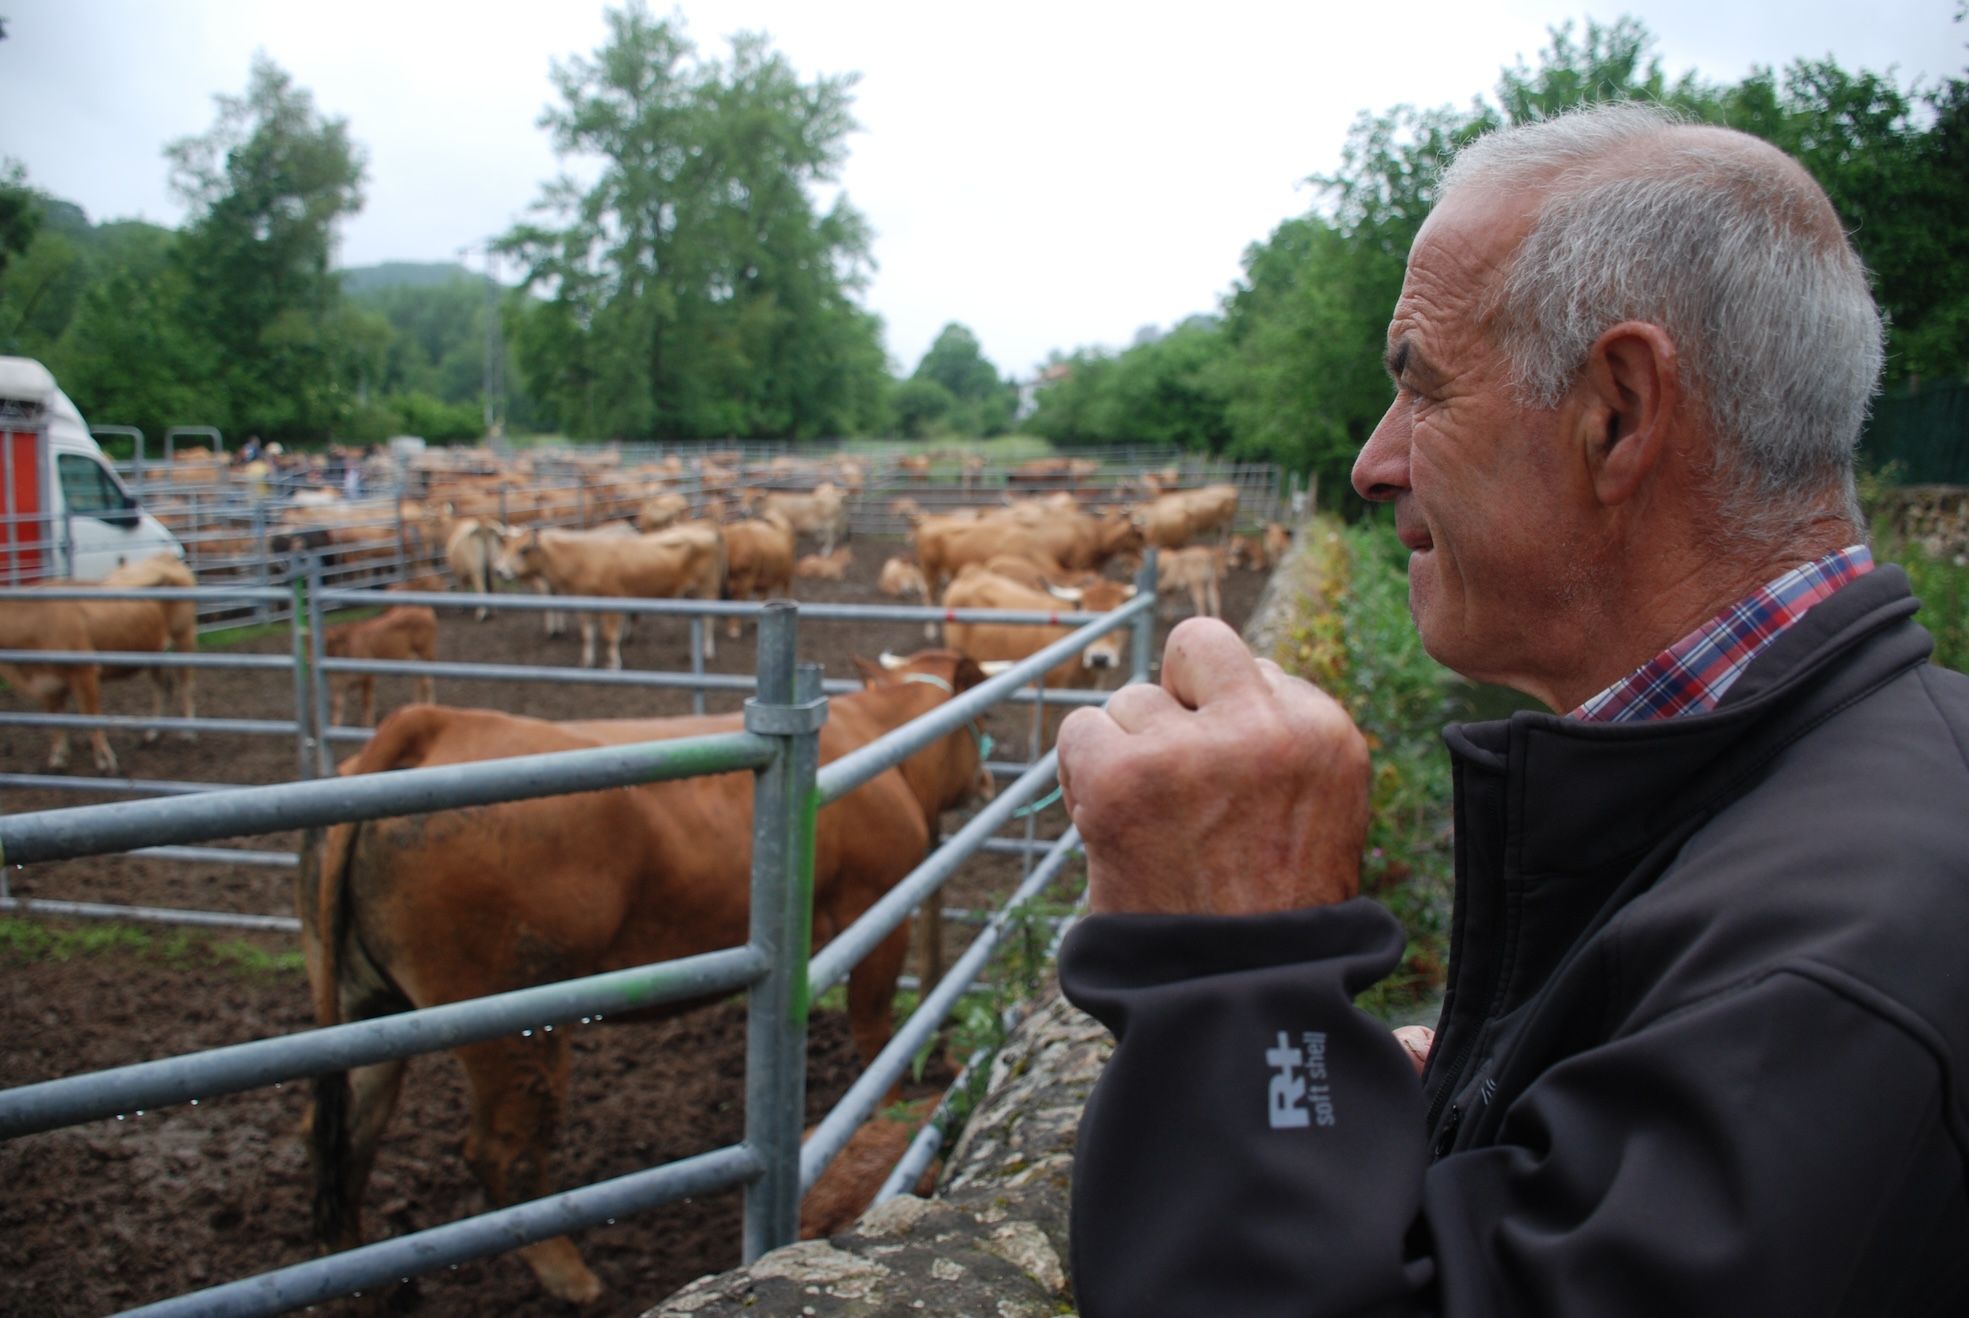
1353, 637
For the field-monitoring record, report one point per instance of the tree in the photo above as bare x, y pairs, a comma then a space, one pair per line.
126, 357
20, 214
267, 186
921, 408
982, 403
694, 289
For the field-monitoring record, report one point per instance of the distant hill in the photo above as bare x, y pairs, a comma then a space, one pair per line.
360, 279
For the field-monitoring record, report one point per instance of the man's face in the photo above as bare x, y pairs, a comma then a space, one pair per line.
1484, 495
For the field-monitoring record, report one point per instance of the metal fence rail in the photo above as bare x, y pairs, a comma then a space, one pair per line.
781, 745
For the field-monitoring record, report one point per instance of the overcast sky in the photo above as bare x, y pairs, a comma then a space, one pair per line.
1053, 175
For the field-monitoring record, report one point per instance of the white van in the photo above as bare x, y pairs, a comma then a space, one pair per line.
63, 512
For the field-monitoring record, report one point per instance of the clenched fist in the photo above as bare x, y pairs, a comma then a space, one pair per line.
1229, 789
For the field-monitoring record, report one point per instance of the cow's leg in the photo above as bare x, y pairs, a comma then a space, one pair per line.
338, 695
587, 640
54, 700
612, 635
157, 679
187, 692
342, 1169
732, 623
367, 685
555, 623
89, 700
711, 634
518, 1088
427, 690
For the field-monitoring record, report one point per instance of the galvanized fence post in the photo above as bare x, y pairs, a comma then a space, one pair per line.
305, 733
1144, 623
318, 683
698, 623
262, 611
403, 546
788, 706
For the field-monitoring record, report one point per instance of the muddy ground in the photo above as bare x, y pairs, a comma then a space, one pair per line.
102, 1217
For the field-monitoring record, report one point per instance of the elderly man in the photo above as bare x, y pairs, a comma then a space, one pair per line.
1703, 1046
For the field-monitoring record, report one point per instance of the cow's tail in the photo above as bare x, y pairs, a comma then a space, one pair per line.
721, 569
327, 914
325, 856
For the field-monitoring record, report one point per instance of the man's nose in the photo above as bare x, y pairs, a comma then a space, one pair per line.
1381, 470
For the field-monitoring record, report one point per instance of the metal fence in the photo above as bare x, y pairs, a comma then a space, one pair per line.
780, 745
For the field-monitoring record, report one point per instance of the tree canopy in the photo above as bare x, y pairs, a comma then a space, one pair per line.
1293, 374
696, 287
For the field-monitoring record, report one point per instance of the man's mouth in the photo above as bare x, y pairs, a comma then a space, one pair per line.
1415, 538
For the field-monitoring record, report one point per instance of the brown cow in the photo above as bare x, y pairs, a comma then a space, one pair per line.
1173, 520
86, 624
683, 562
1278, 539
1198, 569
661, 510
403, 631
1077, 540
824, 513
758, 563
902, 579
849, 1185
998, 642
402, 913
471, 549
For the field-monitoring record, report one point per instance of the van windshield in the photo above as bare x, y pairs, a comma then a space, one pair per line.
87, 486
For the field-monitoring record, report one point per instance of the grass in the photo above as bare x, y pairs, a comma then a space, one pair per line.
221, 637
28, 941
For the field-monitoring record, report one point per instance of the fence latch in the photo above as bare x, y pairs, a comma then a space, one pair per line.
766, 720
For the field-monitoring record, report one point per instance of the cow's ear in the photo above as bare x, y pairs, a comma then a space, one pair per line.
870, 672
968, 673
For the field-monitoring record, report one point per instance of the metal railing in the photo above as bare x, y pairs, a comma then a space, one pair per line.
780, 745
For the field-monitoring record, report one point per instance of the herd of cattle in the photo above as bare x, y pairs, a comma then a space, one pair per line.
724, 541
383, 904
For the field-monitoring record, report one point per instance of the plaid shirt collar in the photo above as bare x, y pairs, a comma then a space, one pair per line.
1691, 675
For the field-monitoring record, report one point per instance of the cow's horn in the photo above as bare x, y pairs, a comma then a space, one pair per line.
1130, 594
892, 661
1067, 593
993, 667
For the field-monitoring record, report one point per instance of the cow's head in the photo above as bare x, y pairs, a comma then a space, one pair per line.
519, 555
1099, 596
956, 762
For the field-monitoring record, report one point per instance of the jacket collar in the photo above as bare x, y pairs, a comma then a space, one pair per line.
1642, 780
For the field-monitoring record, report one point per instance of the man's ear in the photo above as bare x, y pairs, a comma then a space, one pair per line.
1633, 396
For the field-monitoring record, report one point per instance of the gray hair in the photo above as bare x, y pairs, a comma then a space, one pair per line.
1739, 258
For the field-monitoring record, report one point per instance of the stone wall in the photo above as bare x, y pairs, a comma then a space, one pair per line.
994, 1239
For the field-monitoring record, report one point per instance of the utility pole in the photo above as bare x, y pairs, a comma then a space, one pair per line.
495, 356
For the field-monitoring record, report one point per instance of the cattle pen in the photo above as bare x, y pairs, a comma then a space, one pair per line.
777, 746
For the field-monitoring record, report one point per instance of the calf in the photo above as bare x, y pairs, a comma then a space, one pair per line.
825, 567
404, 631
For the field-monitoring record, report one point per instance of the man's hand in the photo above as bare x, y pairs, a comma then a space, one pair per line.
1229, 789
